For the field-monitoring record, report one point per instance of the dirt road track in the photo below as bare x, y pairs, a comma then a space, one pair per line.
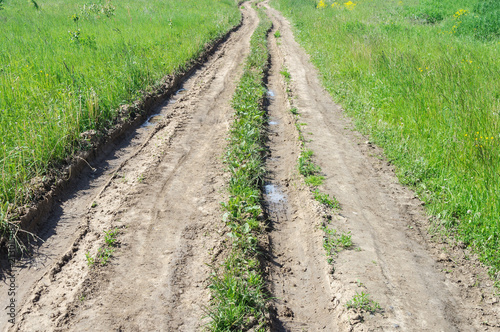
165, 201
298, 268
162, 191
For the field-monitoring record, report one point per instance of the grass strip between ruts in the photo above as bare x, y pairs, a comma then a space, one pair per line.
237, 286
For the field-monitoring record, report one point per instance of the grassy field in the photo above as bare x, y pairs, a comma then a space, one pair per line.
66, 67
421, 78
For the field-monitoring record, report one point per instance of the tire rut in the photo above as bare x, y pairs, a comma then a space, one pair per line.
164, 199
298, 270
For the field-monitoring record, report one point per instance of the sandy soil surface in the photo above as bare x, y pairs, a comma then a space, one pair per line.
161, 189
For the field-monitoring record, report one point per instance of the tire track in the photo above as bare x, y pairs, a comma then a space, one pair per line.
298, 271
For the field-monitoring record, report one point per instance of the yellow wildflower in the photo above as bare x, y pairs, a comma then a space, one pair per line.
349, 5
321, 4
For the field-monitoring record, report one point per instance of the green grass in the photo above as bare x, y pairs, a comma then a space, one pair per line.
326, 200
362, 301
105, 252
237, 287
426, 90
333, 242
66, 67
306, 165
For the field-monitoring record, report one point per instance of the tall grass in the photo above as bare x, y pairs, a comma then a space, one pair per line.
66, 67
237, 287
420, 77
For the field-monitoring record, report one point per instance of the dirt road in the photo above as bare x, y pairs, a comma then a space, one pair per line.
161, 189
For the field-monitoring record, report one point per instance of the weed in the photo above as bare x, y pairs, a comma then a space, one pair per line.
294, 111
97, 10
306, 164
286, 75
326, 200
345, 240
329, 243
110, 237
104, 254
314, 180
277, 34
334, 242
361, 301
90, 259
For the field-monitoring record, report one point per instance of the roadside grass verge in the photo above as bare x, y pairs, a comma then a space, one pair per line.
237, 286
421, 78
66, 67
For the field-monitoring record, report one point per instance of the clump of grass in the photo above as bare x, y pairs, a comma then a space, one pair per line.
286, 75
426, 93
306, 165
104, 253
333, 242
110, 237
326, 200
55, 85
237, 287
314, 180
362, 301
